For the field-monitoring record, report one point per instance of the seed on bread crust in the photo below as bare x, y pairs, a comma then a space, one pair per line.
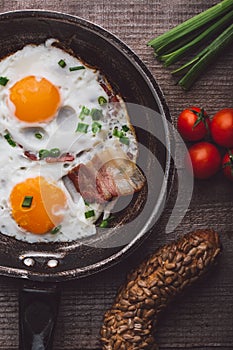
130, 323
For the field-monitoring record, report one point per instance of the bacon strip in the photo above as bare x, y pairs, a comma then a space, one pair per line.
109, 92
63, 158
109, 174
30, 155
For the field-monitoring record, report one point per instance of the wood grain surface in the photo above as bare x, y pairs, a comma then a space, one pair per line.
203, 317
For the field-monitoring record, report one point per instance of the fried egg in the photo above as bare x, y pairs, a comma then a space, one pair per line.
55, 113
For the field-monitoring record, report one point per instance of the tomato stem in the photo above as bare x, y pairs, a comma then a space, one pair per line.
230, 163
201, 117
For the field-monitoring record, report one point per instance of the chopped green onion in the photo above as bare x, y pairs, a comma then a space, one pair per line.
124, 140
125, 128
3, 81
104, 223
10, 140
44, 153
96, 127
62, 63
96, 114
89, 214
82, 128
38, 135
84, 111
86, 203
72, 69
27, 202
55, 230
117, 133
102, 100
54, 152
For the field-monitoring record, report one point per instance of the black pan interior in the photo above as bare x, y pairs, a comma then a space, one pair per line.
129, 77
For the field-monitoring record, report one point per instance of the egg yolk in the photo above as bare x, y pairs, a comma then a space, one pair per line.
37, 205
35, 100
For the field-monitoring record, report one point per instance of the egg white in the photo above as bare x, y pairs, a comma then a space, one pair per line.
77, 89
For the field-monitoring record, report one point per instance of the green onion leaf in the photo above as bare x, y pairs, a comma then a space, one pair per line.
185, 29
10, 140
82, 128
96, 127
180, 40
204, 36
124, 140
125, 128
102, 100
117, 133
38, 135
96, 114
72, 69
86, 203
205, 57
84, 111
62, 63
3, 81
54, 152
27, 202
44, 153
55, 230
104, 223
89, 214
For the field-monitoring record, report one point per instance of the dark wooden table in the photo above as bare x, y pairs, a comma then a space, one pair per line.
203, 317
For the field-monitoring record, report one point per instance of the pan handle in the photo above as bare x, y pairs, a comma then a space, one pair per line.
38, 308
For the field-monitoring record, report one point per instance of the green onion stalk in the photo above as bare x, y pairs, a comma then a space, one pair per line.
213, 24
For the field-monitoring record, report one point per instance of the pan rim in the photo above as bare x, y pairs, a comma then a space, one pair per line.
61, 276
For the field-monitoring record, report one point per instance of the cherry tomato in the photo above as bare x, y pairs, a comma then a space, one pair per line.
193, 124
227, 164
205, 160
222, 128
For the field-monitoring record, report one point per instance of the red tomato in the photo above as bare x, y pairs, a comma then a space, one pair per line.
227, 164
205, 160
193, 124
222, 127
